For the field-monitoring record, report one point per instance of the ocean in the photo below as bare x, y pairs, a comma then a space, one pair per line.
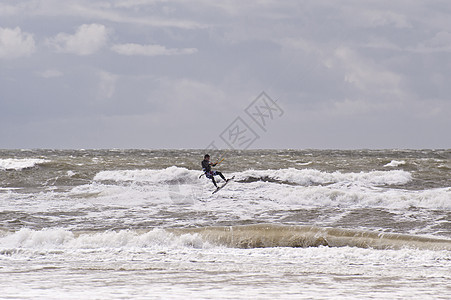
293, 224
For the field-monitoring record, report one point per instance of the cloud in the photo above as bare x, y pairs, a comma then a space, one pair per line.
380, 18
107, 13
6, 9
334, 64
184, 100
135, 3
379, 43
107, 84
14, 43
441, 42
87, 40
299, 44
50, 73
365, 74
124, 12
150, 50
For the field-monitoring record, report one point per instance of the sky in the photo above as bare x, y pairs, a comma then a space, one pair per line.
150, 74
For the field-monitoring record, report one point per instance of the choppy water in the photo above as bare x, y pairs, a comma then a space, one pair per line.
293, 224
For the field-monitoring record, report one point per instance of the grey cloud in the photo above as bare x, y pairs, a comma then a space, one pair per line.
88, 39
15, 43
149, 50
175, 73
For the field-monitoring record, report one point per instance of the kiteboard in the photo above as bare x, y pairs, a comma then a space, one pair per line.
227, 181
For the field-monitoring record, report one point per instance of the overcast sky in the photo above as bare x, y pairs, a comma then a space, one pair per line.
176, 74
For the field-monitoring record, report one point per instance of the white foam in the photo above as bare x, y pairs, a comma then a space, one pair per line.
259, 273
65, 239
149, 176
395, 163
312, 176
246, 236
338, 195
304, 164
20, 163
312, 188
291, 175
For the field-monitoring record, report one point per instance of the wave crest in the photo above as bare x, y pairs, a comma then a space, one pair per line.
18, 164
306, 177
270, 235
174, 175
241, 236
312, 176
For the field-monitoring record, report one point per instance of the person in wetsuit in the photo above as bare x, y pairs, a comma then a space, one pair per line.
206, 167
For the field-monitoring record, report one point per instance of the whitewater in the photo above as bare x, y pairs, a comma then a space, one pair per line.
293, 224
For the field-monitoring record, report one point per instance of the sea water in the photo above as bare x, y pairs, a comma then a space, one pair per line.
300, 224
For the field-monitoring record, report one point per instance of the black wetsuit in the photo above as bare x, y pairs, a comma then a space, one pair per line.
206, 167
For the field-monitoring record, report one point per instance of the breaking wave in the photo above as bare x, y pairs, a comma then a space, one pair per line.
290, 176
312, 176
395, 163
168, 175
18, 164
269, 235
244, 236
65, 239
